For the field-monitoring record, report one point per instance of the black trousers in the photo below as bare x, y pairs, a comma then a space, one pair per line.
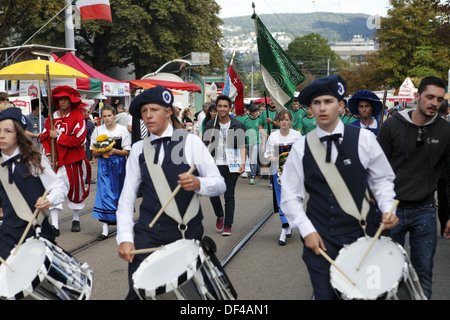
230, 182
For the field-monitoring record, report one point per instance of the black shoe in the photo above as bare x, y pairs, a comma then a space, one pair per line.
75, 226
55, 231
102, 237
281, 242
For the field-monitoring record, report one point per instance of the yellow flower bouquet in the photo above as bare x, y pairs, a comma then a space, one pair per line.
103, 144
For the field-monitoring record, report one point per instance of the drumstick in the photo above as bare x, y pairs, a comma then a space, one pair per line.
335, 265
380, 229
174, 193
6, 264
29, 224
148, 250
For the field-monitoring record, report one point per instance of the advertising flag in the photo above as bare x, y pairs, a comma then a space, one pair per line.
280, 75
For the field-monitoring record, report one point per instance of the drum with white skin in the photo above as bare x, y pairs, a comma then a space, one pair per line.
43, 271
386, 272
181, 271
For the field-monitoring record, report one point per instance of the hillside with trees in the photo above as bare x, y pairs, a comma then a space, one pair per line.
331, 26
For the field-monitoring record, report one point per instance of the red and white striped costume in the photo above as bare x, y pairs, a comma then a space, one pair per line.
72, 164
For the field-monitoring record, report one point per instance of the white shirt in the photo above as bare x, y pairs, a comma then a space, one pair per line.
380, 177
122, 119
221, 154
211, 182
275, 140
119, 132
52, 183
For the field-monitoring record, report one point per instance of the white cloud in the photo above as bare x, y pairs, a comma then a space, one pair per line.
234, 8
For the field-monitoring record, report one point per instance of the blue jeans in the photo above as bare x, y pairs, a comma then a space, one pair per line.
253, 151
277, 188
421, 224
230, 182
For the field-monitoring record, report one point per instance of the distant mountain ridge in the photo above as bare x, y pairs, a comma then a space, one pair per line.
331, 26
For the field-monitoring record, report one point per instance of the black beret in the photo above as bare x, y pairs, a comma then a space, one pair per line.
330, 85
157, 95
15, 114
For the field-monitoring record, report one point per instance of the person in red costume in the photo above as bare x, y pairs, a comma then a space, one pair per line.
71, 163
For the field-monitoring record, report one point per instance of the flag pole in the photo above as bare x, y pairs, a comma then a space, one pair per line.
232, 58
217, 114
265, 96
52, 125
69, 31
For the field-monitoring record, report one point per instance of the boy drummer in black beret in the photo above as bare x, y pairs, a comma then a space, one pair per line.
361, 163
175, 152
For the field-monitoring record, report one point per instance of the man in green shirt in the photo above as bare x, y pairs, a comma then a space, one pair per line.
346, 116
252, 133
244, 116
309, 122
267, 124
297, 115
267, 120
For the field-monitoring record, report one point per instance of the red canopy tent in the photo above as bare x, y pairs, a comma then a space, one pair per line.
149, 83
108, 85
73, 61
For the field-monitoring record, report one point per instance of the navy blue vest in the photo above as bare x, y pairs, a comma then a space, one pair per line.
323, 209
13, 227
150, 202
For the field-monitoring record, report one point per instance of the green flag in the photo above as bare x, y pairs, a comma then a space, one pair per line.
280, 75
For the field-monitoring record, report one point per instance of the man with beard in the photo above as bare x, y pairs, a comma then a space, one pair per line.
417, 145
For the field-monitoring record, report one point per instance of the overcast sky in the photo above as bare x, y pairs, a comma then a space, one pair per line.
235, 8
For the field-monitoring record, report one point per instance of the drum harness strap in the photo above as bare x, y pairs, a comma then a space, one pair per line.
164, 191
19, 204
336, 182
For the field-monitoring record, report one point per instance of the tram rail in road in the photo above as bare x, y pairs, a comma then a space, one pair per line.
225, 260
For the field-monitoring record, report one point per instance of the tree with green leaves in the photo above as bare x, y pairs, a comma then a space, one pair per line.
409, 41
313, 54
144, 33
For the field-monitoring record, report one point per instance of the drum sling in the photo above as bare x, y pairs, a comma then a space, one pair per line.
19, 204
335, 180
164, 191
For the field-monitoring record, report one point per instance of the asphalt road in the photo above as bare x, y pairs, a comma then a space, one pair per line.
261, 270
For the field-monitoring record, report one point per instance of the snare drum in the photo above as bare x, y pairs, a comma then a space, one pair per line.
385, 273
181, 271
44, 271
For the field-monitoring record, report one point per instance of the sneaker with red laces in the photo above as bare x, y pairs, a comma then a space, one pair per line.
219, 224
226, 231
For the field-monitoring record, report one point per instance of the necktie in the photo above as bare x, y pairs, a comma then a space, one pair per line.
10, 163
157, 144
331, 138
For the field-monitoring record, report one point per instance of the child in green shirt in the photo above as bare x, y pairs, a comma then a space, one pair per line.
252, 133
309, 122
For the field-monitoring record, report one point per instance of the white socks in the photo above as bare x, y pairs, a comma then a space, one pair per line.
105, 229
76, 215
54, 215
284, 232
55, 212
